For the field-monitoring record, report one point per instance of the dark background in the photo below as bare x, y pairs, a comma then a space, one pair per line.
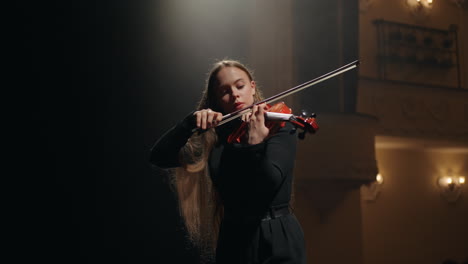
99, 113
106, 79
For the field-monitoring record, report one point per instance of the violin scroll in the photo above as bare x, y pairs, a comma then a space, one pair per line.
307, 124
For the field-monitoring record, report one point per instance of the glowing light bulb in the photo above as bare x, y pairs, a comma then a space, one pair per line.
461, 180
449, 180
379, 178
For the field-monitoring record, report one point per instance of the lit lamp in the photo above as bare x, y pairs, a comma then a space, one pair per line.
369, 192
419, 3
419, 7
451, 187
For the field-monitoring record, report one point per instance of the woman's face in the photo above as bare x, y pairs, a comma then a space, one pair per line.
235, 90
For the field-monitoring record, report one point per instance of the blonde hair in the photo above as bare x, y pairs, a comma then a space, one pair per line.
199, 203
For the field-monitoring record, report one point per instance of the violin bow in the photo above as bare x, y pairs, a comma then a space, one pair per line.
231, 116
300, 87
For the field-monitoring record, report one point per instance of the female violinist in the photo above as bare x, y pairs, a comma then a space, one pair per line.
234, 197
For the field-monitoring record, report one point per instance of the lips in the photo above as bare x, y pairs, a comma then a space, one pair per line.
238, 105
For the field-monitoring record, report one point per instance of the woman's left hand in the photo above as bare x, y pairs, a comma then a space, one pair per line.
257, 131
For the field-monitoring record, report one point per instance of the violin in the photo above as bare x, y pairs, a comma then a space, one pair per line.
276, 117
281, 111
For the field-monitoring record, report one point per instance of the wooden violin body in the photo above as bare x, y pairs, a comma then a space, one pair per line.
276, 117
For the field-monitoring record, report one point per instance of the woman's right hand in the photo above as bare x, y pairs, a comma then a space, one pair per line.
207, 118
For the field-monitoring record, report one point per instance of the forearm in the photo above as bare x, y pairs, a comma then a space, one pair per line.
165, 152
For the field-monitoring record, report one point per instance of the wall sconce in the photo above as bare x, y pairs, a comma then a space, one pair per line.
419, 3
451, 187
419, 8
369, 192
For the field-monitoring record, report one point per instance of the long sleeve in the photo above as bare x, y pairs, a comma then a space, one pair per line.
165, 152
271, 160
259, 170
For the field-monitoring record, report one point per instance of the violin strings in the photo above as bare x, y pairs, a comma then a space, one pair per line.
229, 117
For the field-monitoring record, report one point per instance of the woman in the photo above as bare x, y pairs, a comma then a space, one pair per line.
234, 198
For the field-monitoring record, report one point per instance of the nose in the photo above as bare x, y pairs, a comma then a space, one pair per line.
235, 91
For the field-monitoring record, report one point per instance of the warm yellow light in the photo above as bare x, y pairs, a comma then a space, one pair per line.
445, 181
379, 178
461, 180
450, 187
419, 3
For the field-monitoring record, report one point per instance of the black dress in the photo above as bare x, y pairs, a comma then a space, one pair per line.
251, 180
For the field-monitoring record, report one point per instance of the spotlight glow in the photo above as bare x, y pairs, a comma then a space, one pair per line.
379, 178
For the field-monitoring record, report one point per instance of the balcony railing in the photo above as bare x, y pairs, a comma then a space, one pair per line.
418, 55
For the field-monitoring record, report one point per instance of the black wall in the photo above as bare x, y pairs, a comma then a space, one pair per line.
110, 80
